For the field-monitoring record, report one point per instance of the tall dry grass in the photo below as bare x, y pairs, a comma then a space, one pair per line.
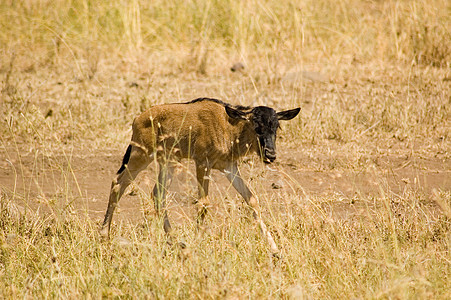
395, 248
372, 78
407, 31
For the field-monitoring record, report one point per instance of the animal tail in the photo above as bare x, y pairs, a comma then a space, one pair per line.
125, 159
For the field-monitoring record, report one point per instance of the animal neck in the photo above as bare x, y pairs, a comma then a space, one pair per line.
246, 141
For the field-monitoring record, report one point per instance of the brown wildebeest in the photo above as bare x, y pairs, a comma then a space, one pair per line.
212, 133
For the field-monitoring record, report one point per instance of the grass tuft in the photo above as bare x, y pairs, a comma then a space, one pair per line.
358, 199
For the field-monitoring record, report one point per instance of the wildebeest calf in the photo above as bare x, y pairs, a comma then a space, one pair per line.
212, 133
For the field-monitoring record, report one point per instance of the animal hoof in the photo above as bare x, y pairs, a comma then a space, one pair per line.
277, 257
180, 245
237, 67
104, 234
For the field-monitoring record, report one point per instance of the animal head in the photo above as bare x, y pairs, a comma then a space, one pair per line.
265, 122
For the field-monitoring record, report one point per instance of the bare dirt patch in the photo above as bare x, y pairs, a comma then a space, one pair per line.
82, 180
382, 132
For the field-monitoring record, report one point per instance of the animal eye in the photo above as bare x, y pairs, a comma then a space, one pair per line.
258, 130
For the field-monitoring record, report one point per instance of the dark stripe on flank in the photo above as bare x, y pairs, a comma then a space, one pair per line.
125, 159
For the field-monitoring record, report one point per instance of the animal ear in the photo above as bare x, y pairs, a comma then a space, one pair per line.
288, 114
235, 113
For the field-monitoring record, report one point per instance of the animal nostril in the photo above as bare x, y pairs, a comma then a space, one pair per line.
270, 154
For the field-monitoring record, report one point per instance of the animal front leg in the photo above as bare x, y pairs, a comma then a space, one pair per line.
202, 174
233, 175
160, 191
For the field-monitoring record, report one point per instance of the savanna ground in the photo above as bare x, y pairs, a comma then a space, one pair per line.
359, 199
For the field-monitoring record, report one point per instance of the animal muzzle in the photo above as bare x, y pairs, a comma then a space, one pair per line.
269, 155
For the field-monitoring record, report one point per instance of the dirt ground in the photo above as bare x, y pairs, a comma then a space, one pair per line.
363, 131
85, 178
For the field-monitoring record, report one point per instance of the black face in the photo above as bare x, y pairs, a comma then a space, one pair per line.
265, 121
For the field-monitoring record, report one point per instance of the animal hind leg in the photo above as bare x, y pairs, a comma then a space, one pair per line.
234, 176
160, 191
135, 160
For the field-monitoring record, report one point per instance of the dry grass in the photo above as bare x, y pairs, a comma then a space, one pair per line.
393, 248
374, 86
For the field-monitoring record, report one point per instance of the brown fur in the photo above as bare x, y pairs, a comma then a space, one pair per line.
201, 131
212, 133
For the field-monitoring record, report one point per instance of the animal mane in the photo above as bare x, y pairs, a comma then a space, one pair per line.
239, 107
